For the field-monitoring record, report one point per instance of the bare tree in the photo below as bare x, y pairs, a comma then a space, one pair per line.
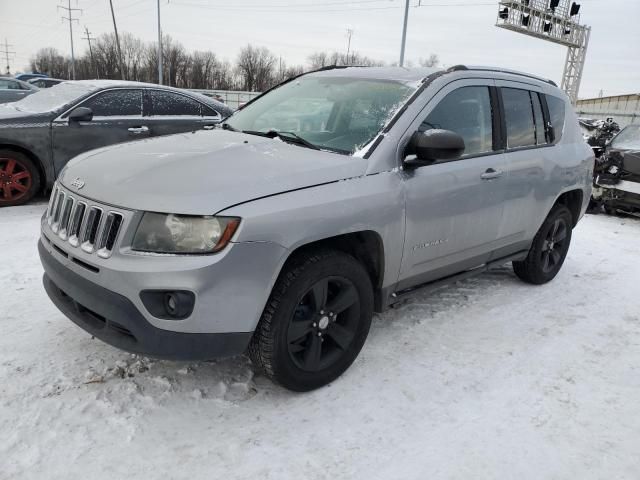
432, 61
256, 67
50, 61
323, 59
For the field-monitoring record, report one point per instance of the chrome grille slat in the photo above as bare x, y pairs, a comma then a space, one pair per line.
65, 217
109, 233
55, 226
52, 201
76, 223
93, 228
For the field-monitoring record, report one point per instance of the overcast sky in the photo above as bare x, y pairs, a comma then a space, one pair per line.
294, 29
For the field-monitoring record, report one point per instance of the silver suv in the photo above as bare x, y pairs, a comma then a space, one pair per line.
322, 201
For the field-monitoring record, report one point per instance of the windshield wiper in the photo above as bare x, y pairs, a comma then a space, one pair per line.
226, 126
286, 136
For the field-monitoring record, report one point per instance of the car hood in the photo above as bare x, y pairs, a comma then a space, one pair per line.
10, 117
202, 172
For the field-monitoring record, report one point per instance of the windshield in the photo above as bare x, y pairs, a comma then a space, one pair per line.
628, 138
332, 113
54, 98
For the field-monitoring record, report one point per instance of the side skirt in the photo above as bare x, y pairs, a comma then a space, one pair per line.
392, 297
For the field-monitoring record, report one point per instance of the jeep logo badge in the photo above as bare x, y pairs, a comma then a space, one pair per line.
77, 183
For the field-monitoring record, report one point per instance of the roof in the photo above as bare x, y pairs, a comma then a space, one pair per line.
405, 74
101, 84
402, 74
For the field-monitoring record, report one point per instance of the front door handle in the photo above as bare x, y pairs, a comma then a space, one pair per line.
490, 174
139, 130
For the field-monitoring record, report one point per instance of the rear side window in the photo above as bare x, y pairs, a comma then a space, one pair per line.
556, 114
209, 112
541, 136
521, 130
116, 103
466, 111
9, 85
173, 104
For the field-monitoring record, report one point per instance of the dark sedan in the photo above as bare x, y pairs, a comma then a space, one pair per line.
40, 134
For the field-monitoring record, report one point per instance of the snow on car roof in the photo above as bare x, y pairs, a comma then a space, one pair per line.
402, 74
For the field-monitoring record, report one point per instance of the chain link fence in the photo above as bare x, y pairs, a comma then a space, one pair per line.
233, 98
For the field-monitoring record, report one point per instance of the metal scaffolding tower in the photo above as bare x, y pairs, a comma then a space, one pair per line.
556, 21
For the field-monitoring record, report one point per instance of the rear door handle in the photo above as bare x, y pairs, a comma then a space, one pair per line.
139, 130
490, 174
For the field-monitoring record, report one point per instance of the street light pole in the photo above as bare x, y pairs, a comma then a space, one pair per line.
159, 47
404, 32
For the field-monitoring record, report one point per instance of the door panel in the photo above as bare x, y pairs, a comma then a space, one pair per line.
117, 118
527, 155
454, 209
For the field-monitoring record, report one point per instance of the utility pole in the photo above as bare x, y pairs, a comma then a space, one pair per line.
159, 47
404, 32
88, 38
349, 34
6, 53
115, 29
70, 19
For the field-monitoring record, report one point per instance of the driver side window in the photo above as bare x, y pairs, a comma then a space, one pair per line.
467, 112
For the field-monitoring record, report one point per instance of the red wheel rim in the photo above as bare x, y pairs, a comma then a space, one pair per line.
15, 179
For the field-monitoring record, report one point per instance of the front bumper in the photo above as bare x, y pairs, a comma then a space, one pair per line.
115, 320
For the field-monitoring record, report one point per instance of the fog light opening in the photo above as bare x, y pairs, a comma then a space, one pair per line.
171, 304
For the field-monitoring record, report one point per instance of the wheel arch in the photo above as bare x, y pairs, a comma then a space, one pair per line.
573, 200
366, 246
33, 157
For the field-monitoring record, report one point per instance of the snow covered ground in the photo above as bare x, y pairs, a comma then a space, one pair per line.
487, 379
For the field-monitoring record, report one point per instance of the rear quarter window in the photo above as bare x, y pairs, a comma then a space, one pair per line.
556, 115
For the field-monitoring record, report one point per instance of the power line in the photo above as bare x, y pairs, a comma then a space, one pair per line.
70, 19
88, 38
115, 29
6, 53
320, 8
160, 49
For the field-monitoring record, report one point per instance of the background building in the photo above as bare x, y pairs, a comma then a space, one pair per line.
624, 109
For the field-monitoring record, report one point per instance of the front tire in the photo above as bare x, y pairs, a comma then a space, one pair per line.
549, 248
19, 178
315, 322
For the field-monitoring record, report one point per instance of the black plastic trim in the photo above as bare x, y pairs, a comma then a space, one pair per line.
114, 319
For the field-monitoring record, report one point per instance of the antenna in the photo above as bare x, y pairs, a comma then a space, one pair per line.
556, 21
70, 19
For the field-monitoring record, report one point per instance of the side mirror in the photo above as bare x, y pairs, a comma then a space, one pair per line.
433, 145
80, 114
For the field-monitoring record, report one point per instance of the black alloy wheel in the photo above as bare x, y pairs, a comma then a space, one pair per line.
324, 324
315, 321
554, 245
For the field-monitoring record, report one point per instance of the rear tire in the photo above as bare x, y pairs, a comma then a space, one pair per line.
315, 322
549, 248
19, 178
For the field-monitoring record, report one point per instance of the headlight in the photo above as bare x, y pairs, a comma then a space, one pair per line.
169, 233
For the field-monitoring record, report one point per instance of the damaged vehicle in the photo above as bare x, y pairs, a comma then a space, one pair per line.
617, 174
330, 197
598, 133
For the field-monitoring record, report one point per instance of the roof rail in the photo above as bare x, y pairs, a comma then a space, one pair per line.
506, 70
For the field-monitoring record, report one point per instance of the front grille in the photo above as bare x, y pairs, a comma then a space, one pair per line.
91, 227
